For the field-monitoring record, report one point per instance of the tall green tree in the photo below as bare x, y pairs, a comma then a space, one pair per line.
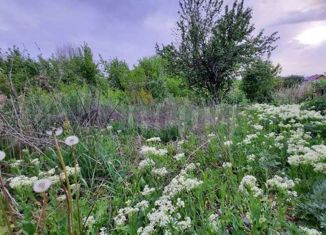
213, 45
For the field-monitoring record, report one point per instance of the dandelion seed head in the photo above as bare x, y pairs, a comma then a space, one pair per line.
71, 140
56, 131
2, 155
42, 185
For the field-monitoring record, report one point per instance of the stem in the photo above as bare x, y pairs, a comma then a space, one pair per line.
40, 223
69, 197
5, 206
77, 189
4, 211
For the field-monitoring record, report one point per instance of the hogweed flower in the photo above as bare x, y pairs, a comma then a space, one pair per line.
2, 155
42, 185
71, 140
56, 131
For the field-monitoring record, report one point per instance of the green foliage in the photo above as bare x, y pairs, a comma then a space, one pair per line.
315, 205
214, 46
259, 80
235, 95
118, 73
317, 103
17, 68
291, 81
320, 87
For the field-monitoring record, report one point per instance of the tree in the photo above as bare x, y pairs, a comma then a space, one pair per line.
214, 46
118, 73
259, 81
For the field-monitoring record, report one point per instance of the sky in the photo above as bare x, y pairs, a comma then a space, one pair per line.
129, 29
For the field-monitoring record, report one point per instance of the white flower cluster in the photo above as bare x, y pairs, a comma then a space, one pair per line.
227, 165
279, 182
310, 231
162, 214
282, 183
249, 138
145, 150
89, 221
315, 156
286, 112
154, 139
21, 181
160, 171
248, 182
146, 163
147, 190
179, 156
123, 214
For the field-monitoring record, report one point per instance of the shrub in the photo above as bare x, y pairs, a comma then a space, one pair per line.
292, 81
236, 95
259, 81
317, 103
315, 206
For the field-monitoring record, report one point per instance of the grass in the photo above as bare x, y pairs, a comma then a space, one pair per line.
223, 147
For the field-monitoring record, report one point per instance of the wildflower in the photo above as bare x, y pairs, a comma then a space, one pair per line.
180, 203
109, 128
251, 158
227, 165
16, 163
258, 127
154, 139
71, 140
228, 143
280, 183
142, 205
56, 131
152, 150
179, 156
146, 163
249, 182
310, 231
21, 181
2, 155
185, 224
42, 185
103, 231
61, 198
147, 190
211, 135
160, 171
89, 221
35, 162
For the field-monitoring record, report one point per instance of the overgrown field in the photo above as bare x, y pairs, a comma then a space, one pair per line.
258, 169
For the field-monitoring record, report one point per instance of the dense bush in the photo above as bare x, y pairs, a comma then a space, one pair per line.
291, 81
259, 81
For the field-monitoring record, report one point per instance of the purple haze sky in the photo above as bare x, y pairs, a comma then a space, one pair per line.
129, 29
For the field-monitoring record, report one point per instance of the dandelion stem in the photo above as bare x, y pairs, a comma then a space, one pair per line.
5, 206
40, 223
77, 189
69, 197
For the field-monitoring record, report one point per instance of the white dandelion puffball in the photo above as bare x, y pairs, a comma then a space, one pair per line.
2, 155
71, 140
54, 131
42, 185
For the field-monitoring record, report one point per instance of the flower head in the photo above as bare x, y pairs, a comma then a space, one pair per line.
71, 140
56, 131
41, 185
2, 155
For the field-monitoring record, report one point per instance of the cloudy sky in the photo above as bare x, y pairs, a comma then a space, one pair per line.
129, 29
